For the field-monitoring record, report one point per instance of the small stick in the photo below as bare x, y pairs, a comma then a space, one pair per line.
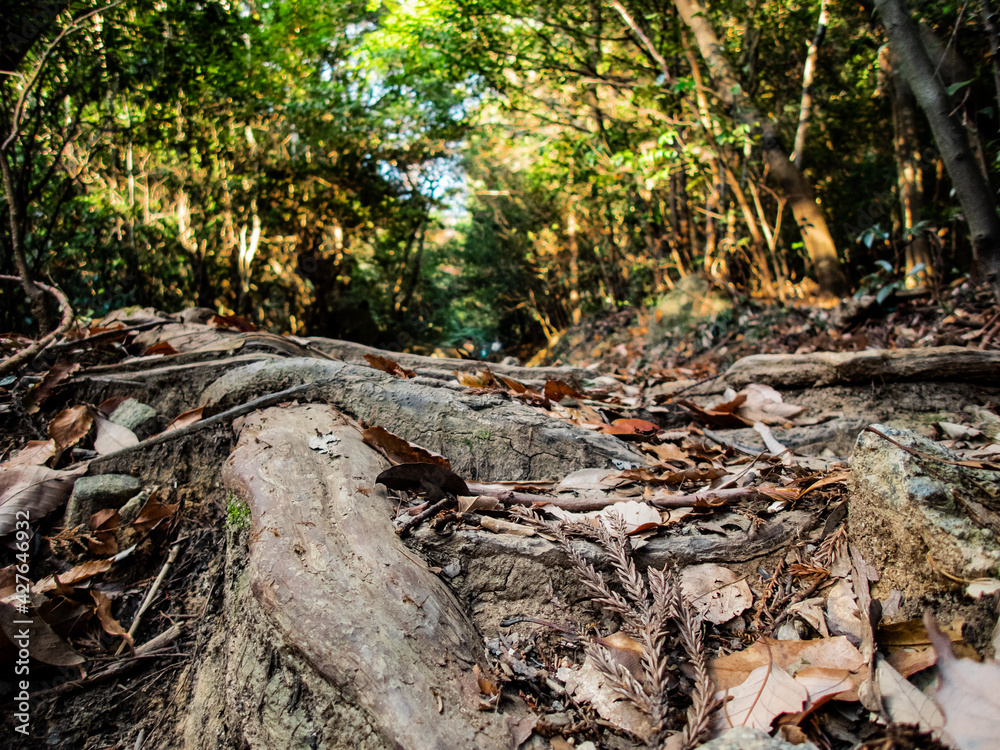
151, 594
431, 510
16, 360
236, 411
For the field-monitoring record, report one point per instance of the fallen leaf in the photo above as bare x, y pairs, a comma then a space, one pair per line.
35, 453
58, 373
46, 646
32, 492
400, 451
422, 476
768, 692
111, 436
636, 516
714, 592
110, 625
589, 684
79, 574
184, 419
763, 404
968, 693
152, 513
557, 390
232, 321
163, 347
70, 425
832, 653
513, 384
488, 688
389, 365
905, 704
589, 479
476, 379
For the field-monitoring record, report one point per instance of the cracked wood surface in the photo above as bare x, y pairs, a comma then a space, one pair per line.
342, 590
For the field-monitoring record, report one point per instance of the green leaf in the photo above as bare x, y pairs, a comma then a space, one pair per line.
958, 86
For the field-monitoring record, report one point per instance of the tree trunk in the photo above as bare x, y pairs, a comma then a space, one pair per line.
908, 170
970, 185
808, 73
810, 219
16, 213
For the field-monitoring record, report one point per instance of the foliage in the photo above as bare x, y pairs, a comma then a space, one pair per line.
237, 514
432, 172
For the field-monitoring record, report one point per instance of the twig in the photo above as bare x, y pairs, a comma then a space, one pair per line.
151, 594
715, 437
149, 650
985, 465
431, 510
16, 360
236, 411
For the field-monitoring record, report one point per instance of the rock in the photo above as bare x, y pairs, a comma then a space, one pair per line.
134, 415
743, 738
905, 506
91, 494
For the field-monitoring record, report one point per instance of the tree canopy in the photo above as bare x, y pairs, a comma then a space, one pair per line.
423, 172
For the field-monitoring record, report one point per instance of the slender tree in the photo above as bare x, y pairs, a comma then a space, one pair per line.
969, 182
816, 235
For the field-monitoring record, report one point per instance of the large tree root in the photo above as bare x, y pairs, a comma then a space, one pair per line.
485, 437
879, 365
331, 590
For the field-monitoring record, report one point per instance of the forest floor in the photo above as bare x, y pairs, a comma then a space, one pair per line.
808, 510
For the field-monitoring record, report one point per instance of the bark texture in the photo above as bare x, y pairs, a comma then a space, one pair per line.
339, 588
485, 437
942, 363
909, 175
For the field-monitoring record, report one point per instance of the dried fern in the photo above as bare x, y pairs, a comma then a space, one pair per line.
653, 612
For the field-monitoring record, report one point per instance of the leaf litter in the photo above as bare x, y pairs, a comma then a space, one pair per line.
776, 680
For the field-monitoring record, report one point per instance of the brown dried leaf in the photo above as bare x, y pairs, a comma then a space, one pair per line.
32, 492
477, 379
79, 574
968, 694
513, 384
400, 451
390, 366
162, 347
718, 416
232, 322
557, 390
768, 692
714, 592
35, 453
108, 622
70, 425
422, 476
184, 419
152, 513
46, 646
58, 373
828, 653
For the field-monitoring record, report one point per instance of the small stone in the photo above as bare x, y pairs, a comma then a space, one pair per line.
91, 494
131, 413
452, 569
